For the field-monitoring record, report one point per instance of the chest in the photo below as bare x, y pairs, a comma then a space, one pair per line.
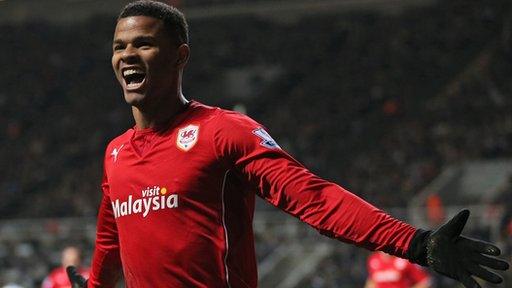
164, 174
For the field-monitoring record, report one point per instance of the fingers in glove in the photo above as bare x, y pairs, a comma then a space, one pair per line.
484, 274
480, 246
469, 282
75, 277
493, 263
454, 227
71, 271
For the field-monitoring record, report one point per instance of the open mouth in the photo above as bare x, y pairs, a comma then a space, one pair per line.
134, 78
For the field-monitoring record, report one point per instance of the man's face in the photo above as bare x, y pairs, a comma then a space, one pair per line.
144, 60
70, 257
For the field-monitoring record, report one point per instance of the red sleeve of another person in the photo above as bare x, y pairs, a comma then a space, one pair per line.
245, 146
106, 262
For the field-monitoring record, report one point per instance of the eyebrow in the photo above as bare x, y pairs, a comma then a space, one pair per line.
136, 39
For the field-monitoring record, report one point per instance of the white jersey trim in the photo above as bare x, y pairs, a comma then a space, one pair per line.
225, 227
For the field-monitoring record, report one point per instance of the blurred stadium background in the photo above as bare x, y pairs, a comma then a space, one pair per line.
407, 103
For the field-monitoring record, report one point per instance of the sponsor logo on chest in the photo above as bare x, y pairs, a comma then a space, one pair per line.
187, 137
151, 199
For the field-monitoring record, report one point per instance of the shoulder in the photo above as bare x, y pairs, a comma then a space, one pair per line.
235, 134
237, 126
223, 121
220, 115
234, 117
234, 123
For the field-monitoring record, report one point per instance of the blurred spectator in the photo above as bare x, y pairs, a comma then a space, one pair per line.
386, 271
71, 256
381, 122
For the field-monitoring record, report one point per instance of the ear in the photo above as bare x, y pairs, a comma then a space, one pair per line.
183, 55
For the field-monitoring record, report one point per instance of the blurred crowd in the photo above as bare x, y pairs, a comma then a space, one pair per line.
369, 103
378, 103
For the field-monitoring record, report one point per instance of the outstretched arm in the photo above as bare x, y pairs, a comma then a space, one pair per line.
245, 147
336, 212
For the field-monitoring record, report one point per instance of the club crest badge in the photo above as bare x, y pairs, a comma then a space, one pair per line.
187, 137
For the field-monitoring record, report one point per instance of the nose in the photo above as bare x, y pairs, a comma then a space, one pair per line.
129, 54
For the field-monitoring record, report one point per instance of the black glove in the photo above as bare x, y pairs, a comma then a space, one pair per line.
77, 281
455, 256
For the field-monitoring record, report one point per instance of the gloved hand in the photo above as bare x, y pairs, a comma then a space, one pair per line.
458, 257
77, 281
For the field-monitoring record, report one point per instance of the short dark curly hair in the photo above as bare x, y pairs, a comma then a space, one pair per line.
174, 20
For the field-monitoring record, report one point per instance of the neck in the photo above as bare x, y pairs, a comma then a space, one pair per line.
160, 115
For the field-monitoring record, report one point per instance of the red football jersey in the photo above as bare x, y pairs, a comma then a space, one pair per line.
390, 272
58, 278
178, 204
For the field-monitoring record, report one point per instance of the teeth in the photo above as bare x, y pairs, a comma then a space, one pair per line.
131, 72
